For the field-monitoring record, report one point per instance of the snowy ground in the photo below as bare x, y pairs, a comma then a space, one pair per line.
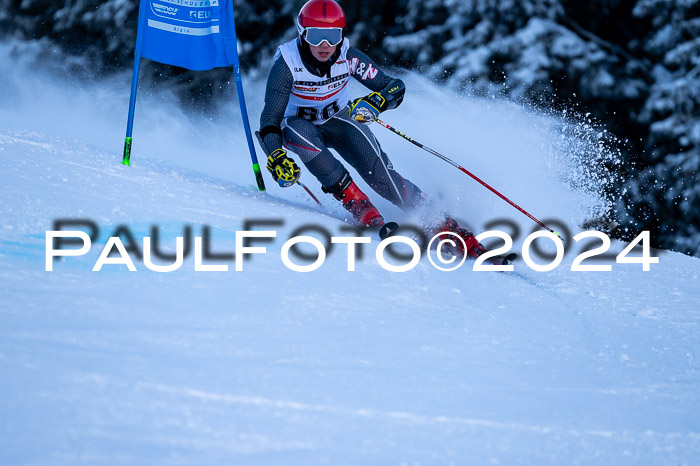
270, 366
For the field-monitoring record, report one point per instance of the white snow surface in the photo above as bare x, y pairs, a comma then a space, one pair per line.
271, 366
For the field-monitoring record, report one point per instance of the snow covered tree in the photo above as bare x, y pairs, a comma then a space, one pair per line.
665, 196
93, 35
528, 49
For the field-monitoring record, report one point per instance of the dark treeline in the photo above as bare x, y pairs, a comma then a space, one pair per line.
634, 65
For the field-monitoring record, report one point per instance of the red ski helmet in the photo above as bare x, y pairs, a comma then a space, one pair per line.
321, 20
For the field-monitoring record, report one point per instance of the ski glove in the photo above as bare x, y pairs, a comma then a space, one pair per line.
367, 109
284, 170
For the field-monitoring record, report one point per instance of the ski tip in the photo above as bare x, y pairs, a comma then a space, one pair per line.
387, 229
510, 258
503, 260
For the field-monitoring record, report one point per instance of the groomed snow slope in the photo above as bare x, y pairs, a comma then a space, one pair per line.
270, 366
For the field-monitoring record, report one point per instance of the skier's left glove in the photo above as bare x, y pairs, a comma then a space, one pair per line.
367, 109
284, 170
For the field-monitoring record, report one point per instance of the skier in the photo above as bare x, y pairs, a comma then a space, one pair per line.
308, 110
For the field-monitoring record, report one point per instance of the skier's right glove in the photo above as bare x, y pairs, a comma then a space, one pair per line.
284, 170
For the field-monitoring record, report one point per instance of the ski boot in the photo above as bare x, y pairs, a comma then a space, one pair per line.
474, 248
356, 202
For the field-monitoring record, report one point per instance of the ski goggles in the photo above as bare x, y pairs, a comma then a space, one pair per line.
315, 36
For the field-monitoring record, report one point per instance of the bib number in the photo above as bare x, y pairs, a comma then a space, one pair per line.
313, 114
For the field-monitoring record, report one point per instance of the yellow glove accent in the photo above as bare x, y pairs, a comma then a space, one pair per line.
284, 170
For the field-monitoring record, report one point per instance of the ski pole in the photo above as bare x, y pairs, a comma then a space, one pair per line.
455, 164
267, 153
309, 192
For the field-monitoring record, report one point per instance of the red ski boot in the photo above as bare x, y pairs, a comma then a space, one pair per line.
474, 248
356, 202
